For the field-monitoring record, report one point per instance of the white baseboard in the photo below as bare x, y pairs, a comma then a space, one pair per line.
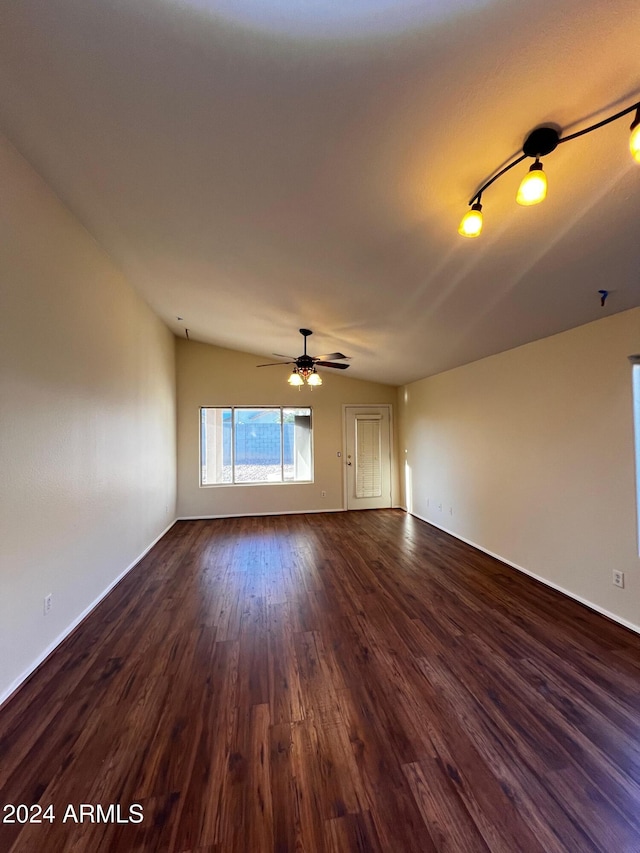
613, 616
11, 689
261, 514
257, 514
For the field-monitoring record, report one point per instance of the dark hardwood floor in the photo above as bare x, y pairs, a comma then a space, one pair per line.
338, 682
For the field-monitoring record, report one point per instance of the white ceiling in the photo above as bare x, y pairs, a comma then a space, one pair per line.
254, 167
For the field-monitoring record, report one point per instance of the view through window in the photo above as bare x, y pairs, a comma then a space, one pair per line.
259, 445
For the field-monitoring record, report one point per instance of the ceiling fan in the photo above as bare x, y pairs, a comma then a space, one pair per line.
305, 365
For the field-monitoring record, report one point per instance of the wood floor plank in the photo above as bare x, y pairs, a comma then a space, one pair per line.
353, 834
287, 827
203, 806
286, 702
520, 770
395, 813
450, 824
249, 821
330, 683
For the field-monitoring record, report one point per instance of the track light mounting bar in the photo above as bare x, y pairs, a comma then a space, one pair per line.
543, 140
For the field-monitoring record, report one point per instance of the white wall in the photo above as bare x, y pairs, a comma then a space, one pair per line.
87, 410
533, 450
213, 376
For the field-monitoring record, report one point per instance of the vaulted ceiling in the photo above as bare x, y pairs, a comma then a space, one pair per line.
257, 167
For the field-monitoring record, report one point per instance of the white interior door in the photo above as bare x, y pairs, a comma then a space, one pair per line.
368, 457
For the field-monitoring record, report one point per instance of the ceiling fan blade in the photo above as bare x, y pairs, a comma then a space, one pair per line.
275, 363
331, 364
279, 355
332, 356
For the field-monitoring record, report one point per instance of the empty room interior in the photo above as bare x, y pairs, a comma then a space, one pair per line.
320, 435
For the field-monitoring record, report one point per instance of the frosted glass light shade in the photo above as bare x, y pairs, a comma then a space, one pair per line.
533, 187
634, 143
471, 223
295, 379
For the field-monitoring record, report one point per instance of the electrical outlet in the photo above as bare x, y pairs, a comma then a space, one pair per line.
323, 493
618, 578
48, 603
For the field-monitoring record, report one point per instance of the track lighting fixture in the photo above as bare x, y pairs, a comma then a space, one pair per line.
533, 188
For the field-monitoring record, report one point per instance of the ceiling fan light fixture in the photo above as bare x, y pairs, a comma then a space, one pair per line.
304, 366
533, 187
471, 223
634, 139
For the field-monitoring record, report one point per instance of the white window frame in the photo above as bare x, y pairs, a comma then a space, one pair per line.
282, 481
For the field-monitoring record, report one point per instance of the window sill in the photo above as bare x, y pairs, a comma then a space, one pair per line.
233, 485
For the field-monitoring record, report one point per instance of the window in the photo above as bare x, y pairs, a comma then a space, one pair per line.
266, 445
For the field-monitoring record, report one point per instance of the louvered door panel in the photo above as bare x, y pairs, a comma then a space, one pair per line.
368, 450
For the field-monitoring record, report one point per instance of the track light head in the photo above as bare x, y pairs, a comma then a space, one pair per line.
471, 224
533, 187
634, 141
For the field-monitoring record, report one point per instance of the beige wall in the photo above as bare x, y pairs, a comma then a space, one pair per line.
212, 376
533, 450
87, 404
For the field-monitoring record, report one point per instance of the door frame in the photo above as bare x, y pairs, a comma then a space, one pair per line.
365, 408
